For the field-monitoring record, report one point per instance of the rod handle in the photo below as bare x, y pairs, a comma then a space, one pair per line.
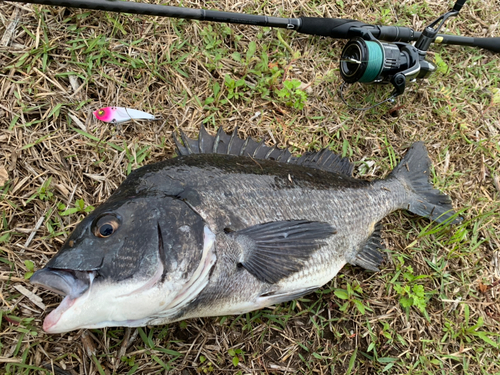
491, 44
332, 27
346, 29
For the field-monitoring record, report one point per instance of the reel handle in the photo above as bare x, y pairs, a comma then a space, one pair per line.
458, 5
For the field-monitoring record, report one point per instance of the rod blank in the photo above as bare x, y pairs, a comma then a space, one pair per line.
332, 27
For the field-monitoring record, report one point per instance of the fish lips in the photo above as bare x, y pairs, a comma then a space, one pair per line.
64, 282
69, 283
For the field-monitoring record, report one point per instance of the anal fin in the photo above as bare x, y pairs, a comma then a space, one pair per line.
369, 256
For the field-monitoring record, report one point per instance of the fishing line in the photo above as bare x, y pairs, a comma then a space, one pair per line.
341, 94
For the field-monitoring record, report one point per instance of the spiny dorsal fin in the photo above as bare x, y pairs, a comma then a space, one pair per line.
205, 141
223, 143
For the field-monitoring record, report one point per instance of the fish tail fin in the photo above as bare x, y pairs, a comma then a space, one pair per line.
414, 172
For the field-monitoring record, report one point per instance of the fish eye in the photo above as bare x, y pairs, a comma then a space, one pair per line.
105, 225
106, 230
101, 112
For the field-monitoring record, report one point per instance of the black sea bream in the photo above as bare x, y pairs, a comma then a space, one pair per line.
227, 227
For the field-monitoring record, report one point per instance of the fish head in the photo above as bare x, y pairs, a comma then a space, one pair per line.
106, 114
126, 263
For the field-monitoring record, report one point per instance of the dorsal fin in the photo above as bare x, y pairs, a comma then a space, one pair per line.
223, 143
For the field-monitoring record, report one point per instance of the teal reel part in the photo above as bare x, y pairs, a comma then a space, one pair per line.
362, 61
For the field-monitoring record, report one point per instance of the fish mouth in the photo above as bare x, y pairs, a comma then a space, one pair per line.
69, 283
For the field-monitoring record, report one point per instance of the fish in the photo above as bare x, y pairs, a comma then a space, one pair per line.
228, 226
118, 115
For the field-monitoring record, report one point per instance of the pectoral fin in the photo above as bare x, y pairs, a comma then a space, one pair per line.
273, 251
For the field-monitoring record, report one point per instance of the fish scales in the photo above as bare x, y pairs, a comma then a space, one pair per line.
338, 206
224, 229
245, 195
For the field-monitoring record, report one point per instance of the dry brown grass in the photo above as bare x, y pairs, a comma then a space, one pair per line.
56, 56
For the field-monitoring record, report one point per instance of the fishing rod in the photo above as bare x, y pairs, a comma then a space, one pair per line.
339, 28
364, 59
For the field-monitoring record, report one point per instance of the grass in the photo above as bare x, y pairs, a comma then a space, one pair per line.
432, 309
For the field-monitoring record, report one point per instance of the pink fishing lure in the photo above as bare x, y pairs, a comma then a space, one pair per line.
119, 114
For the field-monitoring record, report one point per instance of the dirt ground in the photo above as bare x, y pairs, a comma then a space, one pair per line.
433, 307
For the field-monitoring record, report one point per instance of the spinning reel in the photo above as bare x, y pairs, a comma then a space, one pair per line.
366, 59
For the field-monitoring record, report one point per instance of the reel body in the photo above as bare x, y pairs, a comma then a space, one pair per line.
372, 61
377, 62
366, 59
